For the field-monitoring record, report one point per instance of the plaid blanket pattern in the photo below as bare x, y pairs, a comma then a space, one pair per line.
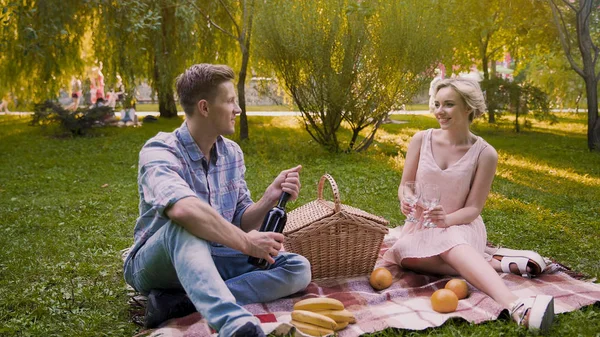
405, 304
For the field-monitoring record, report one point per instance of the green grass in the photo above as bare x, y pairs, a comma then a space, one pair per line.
69, 206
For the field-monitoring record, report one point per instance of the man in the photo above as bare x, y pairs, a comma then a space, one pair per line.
198, 224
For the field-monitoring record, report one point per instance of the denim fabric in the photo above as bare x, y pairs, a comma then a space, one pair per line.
218, 280
288, 275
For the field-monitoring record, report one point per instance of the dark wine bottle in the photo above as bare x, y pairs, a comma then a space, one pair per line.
274, 222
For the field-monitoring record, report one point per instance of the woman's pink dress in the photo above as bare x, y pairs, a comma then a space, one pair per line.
416, 241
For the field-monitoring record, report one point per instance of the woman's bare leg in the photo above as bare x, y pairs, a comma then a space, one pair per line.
429, 265
465, 261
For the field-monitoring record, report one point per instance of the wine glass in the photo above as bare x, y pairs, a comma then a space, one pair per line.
430, 197
411, 194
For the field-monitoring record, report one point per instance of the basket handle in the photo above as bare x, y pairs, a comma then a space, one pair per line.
336, 193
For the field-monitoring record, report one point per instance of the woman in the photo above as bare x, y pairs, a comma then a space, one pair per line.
463, 166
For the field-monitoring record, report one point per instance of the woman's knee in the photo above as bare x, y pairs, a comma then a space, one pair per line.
458, 252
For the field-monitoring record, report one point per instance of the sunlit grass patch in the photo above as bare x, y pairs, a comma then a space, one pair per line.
510, 164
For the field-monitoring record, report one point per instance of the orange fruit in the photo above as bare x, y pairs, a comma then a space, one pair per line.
459, 287
381, 278
444, 301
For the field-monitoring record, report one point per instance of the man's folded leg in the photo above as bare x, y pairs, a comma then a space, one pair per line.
288, 275
175, 259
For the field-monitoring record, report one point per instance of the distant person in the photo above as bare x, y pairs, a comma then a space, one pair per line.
96, 84
116, 94
120, 89
100, 82
100, 102
4, 104
93, 77
111, 99
76, 93
198, 223
128, 117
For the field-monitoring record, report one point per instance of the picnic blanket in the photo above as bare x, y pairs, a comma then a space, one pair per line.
405, 304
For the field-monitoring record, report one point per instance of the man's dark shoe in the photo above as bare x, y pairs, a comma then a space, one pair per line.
249, 330
166, 304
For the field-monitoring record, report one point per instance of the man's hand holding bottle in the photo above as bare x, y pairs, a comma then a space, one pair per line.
264, 245
287, 181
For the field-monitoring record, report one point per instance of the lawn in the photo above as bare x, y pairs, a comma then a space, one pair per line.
69, 206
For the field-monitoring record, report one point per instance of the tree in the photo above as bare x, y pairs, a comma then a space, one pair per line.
237, 24
493, 28
153, 40
579, 25
346, 63
519, 96
553, 72
44, 43
40, 46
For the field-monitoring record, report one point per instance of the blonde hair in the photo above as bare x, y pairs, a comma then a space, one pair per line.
199, 82
469, 90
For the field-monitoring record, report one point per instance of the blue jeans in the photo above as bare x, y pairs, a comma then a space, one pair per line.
217, 279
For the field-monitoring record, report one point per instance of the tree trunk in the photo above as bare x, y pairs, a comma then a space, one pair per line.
244, 41
166, 97
593, 134
492, 106
163, 74
166, 104
517, 110
589, 57
241, 87
486, 73
484, 62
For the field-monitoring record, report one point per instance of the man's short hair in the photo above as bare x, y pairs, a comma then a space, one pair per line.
199, 82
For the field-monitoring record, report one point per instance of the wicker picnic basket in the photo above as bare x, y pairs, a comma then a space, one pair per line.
338, 240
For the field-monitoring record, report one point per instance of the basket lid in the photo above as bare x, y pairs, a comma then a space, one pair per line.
320, 208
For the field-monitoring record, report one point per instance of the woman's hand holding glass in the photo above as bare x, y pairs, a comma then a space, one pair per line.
410, 196
434, 213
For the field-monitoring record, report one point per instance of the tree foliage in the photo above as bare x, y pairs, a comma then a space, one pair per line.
553, 72
487, 30
579, 25
153, 40
518, 96
44, 43
350, 62
40, 45
234, 19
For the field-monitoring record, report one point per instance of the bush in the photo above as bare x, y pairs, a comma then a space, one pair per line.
76, 122
519, 97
